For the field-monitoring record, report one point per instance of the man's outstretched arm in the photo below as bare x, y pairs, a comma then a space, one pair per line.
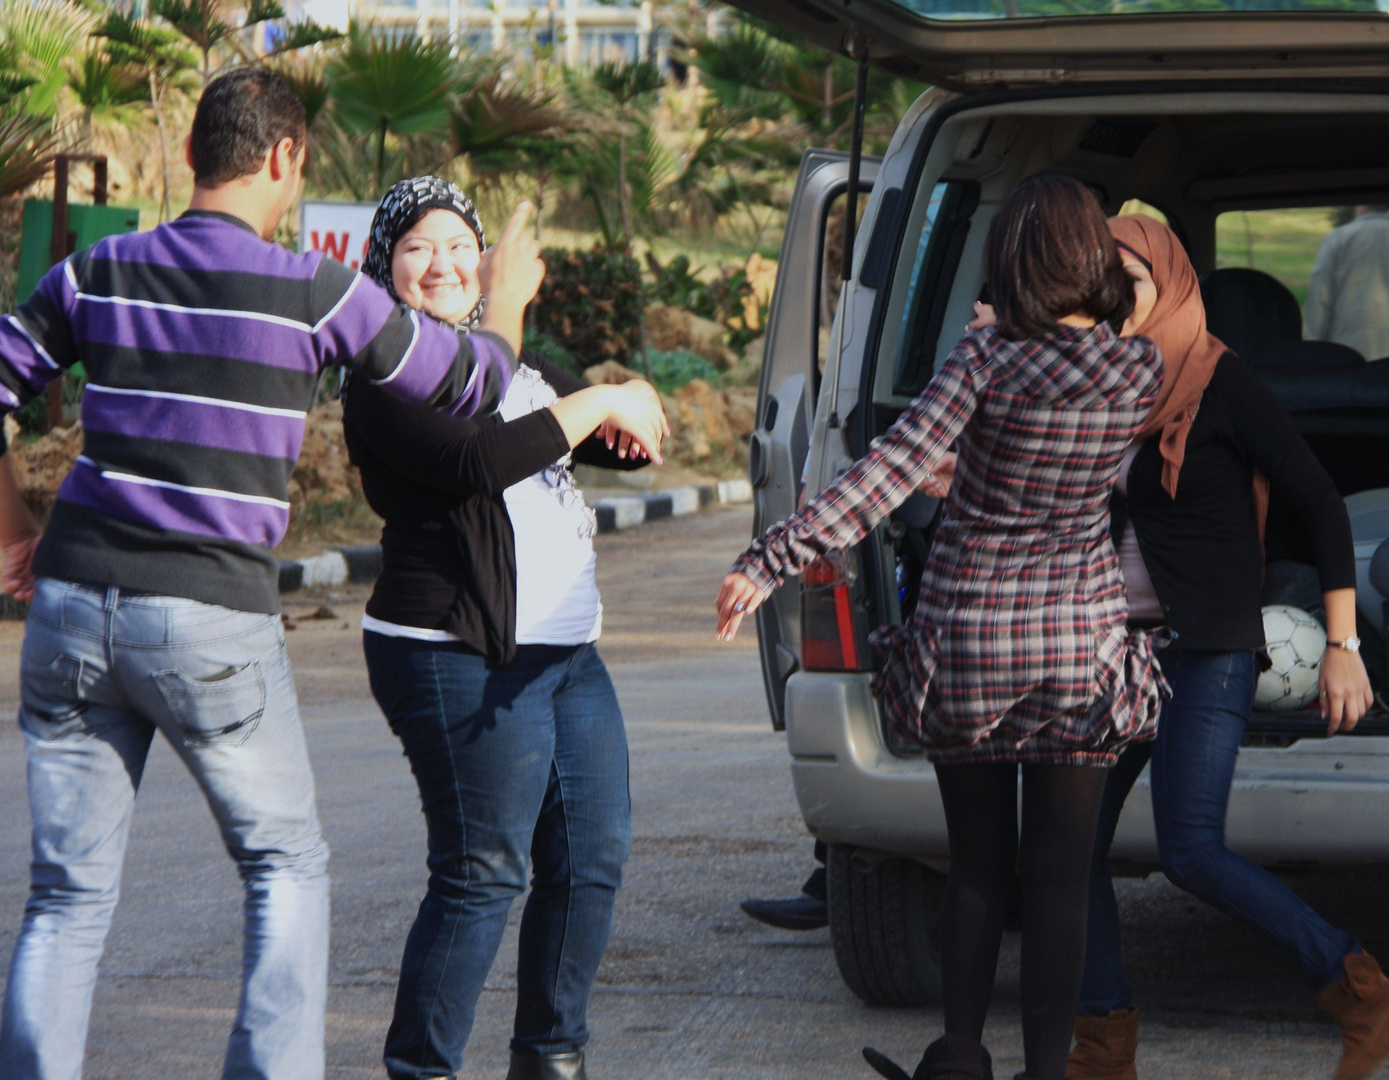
19, 535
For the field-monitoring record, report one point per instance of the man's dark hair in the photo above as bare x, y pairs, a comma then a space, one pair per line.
1050, 254
241, 116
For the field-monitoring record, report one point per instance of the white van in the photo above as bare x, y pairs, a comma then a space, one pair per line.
1254, 131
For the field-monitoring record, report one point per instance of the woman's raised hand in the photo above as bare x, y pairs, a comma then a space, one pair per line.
510, 274
738, 596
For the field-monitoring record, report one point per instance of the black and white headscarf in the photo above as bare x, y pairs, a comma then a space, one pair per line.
403, 206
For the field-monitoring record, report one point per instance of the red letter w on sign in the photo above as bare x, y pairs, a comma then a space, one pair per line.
334, 245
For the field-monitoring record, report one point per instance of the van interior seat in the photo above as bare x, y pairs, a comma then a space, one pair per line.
1369, 526
1250, 310
1306, 354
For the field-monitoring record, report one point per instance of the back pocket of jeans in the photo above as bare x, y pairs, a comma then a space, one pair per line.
223, 708
53, 697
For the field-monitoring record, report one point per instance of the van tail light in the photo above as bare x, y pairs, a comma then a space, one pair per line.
833, 635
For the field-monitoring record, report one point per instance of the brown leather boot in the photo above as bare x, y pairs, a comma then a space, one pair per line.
1105, 1047
1359, 1004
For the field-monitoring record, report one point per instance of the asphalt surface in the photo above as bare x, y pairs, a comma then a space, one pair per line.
690, 987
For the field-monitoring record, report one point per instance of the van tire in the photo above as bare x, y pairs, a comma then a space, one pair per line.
885, 926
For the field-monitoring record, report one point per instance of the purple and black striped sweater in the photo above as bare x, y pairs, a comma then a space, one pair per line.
203, 343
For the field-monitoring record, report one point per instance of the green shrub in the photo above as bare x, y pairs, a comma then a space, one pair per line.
678, 285
547, 348
676, 367
591, 304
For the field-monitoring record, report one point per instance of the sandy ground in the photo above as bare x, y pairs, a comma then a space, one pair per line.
690, 987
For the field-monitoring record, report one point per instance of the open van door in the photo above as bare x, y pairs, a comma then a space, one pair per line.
792, 361
971, 44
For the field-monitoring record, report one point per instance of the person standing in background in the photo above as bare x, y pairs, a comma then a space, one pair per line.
1348, 298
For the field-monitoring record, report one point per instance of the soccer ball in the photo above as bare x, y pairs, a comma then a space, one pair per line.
1296, 644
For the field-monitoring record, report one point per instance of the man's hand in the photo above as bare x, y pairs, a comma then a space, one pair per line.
17, 567
1345, 690
738, 596
510, 273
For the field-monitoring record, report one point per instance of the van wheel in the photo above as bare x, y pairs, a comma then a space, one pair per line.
885, 926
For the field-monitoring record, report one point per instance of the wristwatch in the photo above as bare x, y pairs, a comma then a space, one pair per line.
1351, 644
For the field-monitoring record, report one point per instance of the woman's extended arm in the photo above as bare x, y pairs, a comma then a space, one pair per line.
848, 509
1272, 443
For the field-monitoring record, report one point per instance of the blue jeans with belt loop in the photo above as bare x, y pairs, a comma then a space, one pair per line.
1193, 766
101, 671
517, 762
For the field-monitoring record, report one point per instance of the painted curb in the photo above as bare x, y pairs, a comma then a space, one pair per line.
361, 565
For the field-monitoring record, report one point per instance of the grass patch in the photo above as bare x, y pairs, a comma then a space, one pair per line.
1283, 243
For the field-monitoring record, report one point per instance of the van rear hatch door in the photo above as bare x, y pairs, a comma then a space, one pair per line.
975, 44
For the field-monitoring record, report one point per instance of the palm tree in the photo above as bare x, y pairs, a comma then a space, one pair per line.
387, 89
629, 87
110, 93
207, 26
36, 41
161, 56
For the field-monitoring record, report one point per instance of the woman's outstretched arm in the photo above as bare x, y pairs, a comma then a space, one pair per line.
869, 490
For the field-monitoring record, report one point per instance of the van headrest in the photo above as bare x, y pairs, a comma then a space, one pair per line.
1249, 310
1306, 354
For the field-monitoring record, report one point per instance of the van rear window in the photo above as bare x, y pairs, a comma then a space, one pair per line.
1038, 9
1316, 274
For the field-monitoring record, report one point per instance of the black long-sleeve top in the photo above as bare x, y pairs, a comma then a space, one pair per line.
1202, 548
448, 550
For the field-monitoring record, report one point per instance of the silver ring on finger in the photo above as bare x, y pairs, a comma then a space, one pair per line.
740, 606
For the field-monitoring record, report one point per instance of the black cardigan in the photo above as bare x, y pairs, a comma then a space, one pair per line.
448, 550
1202, 548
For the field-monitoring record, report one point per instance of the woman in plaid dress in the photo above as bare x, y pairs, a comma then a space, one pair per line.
1019, 651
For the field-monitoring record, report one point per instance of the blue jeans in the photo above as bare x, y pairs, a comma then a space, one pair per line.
1193, 765
101, 672
524, 760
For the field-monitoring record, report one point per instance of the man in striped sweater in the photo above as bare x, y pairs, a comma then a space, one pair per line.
155, 605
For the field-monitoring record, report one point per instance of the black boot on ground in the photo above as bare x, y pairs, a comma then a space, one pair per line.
547, 1067
955, 1057
809, 911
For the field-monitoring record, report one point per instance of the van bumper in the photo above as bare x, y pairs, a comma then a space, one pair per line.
1318, 801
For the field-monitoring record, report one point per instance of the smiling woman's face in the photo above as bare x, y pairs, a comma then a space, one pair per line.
434, 268
1144, 293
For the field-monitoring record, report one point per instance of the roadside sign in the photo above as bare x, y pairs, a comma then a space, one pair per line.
340, 230
86, 225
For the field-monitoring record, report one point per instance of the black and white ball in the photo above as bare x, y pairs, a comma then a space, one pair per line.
1296, 644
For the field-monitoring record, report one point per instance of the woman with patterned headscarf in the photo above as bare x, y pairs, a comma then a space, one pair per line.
480, 644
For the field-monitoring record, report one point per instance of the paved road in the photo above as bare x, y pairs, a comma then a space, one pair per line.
690, 988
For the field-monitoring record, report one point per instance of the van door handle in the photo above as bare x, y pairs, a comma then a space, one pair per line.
759, 458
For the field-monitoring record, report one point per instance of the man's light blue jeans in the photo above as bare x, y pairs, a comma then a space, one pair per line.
101, 671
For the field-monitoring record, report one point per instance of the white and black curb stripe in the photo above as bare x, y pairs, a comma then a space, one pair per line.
363, 564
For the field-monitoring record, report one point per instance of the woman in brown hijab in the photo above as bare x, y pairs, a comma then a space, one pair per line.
1187, 520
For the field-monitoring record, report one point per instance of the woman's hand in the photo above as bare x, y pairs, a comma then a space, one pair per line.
636, 421
738, 597
937, 485
984, 315
1345, 689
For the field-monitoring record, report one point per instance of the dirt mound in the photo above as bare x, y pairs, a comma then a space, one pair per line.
39, 466
710, 427
324, 476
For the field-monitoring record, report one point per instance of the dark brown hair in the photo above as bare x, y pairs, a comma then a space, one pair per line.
1050, 254
240, 118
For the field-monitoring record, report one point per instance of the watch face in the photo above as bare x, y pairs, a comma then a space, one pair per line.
1353, 644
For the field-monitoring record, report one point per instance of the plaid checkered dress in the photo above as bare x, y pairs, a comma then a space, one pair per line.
1018, 649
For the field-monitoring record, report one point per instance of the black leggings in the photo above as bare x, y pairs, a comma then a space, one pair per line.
1060, 807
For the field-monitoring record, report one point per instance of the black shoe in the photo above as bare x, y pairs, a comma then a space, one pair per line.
547, 1066
802, 912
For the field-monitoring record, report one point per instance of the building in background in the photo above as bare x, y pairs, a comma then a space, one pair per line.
584, 32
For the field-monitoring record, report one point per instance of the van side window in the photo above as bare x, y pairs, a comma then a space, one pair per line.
938, 248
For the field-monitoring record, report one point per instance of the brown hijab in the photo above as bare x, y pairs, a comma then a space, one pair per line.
1177, 326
